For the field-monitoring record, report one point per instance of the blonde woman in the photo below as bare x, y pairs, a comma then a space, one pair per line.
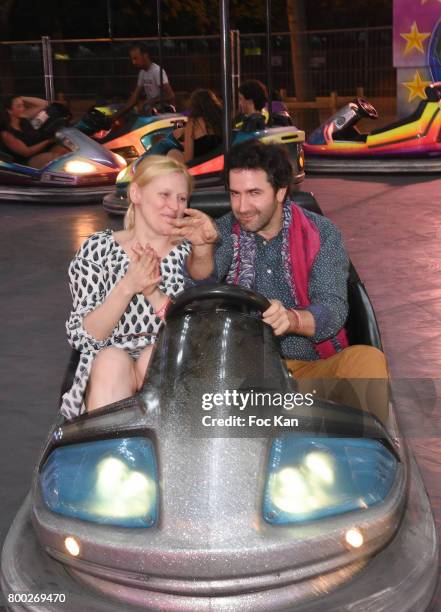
121, 284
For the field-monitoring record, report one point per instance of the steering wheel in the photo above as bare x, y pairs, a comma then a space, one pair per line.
97, 120
366, 108
215, 291
55, 117
148, 110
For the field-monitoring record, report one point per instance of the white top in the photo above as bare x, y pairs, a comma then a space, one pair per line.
150, 81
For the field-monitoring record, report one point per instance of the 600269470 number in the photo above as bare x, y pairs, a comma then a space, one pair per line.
36, 597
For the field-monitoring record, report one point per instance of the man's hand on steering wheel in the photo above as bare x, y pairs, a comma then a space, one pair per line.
288, 320
281, 319
196, 227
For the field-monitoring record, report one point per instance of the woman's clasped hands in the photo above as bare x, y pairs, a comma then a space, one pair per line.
143, 274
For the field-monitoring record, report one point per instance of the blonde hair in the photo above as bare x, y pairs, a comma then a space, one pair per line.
149, 168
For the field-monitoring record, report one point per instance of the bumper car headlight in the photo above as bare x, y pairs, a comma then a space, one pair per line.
77, 166
312, 478
112, 482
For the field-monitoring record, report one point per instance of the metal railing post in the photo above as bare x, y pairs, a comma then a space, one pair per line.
235, 67
224, 7
269, 66
48, 68
161, 74
366, 62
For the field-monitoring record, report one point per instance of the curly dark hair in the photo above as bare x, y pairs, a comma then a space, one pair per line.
254, 155
6, 104
256, 91
206, 105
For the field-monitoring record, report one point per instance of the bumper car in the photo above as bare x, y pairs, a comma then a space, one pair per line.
410, 145
209, 193
155, 503
86, 173
131, 135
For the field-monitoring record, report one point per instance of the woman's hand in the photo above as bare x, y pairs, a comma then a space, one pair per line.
196, 227
143, 274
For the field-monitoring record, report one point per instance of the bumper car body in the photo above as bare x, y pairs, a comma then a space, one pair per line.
207, 170
132, 135
86, 173
412, 144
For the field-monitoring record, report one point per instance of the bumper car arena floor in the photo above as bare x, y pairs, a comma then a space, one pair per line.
392, 229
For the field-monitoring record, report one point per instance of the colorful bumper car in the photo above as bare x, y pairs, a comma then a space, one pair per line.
165, 501
85, 173
209, 194
410, 145
133, 134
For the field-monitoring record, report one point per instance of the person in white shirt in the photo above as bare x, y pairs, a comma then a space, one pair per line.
149, 81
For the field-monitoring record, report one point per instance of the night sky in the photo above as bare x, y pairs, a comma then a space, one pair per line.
83, 18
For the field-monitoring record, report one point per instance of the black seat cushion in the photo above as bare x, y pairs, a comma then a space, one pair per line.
280, 120
253, 123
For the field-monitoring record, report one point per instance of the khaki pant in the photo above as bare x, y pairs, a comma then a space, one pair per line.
357, 376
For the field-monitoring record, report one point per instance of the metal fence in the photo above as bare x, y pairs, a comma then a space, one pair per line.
338, 60
98, 69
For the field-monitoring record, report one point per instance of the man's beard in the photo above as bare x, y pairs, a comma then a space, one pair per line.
257, 222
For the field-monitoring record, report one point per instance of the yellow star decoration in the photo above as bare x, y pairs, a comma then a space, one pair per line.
416, 87
414, 38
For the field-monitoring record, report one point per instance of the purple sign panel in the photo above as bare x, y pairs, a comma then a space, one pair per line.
417, 49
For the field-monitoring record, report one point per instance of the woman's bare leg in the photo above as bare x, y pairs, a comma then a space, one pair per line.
112, 378
58, 150
42, 159
142, 364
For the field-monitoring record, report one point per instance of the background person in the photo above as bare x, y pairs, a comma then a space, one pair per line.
253, 97
149, 81
203, 130
295, 258
121, 283
19, 138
